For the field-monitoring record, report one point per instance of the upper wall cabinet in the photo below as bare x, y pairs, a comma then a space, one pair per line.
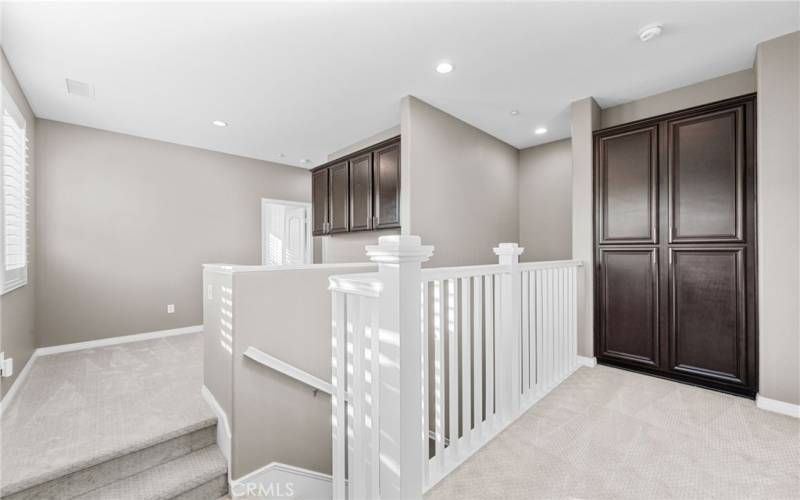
387, 186
319, 201
360, 192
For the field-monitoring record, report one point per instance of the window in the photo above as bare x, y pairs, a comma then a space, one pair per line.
14, 188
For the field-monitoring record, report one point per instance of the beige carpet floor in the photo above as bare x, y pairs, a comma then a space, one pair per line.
83, 407
608, 433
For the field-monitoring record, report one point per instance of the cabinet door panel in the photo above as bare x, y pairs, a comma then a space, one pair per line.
627, 181
339, 198
361, 193
706, 177
319, 197
387, 186
628, 302
707, 305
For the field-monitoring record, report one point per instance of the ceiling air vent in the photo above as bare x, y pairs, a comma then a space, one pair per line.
80, 89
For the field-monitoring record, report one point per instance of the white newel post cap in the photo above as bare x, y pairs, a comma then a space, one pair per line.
396, 249
508, 249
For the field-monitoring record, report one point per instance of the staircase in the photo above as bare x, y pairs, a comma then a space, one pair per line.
188, 465
123, 422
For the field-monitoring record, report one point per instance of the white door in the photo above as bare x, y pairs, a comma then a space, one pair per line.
285, 233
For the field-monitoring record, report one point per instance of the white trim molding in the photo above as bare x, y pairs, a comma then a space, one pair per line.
587, 361
282, 480
223, 427
91, 344
23, 374
775, 406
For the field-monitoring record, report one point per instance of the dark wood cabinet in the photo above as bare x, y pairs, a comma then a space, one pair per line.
339, 198
629, 327
387, 186
319, 201
359, 192
675, 242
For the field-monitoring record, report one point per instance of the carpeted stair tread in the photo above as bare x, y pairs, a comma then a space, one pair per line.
170, 479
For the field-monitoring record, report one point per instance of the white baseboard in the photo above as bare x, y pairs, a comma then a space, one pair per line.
586, 361
23, 374
138, 337
77, 346
775, 406
223, 427
278, 480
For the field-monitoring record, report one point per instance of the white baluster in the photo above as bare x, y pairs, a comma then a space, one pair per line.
477, 365
338, 380
452, 368
466, 358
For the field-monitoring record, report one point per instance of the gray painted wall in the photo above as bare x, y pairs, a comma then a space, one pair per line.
267, 410
716, 89
585, 120
126, 223
778, 114
17, 308
459, 186
545, 201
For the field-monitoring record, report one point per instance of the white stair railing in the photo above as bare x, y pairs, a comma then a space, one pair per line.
431, 364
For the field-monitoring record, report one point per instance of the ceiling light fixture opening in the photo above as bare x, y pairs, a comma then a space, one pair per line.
220, 123
444, 67
650, 31
540, 131
513, 112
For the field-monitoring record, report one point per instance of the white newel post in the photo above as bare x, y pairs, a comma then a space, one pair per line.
402, 438
509, 332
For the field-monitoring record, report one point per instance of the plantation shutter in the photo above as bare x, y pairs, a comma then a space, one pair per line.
14, 187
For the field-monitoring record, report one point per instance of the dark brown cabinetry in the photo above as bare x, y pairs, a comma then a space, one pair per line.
675, 246
339, 198
319, 201
360, 192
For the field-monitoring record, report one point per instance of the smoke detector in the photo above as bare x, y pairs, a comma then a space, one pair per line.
650, 31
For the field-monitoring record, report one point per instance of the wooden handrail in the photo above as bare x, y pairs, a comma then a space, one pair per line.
285, 368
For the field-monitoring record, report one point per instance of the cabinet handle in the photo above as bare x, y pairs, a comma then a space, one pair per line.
374, 221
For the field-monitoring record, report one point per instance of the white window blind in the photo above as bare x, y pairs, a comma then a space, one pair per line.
14, 188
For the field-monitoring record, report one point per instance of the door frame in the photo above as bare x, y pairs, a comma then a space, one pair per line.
309, 256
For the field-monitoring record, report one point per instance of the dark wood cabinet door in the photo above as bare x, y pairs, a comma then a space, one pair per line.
387, 186
361, 192
706, 177
339, 198
627, 180
628, 304
319, 200
682, 305
707, 305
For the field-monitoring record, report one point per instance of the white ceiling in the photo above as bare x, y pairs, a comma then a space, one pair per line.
307, 79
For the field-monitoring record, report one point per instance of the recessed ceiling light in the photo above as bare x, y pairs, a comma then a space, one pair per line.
444, 67
540, 131
513, 112
220, 123
650, 31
